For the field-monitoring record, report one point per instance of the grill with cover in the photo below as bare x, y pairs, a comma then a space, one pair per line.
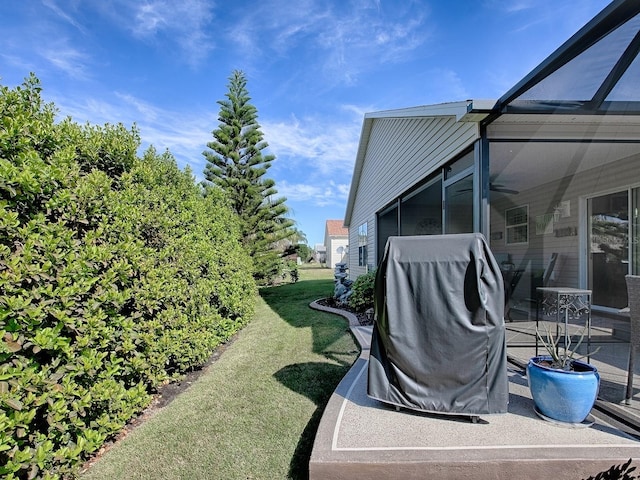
438, 341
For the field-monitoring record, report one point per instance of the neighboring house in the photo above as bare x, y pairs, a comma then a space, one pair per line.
320, 253
336, 242
551, 169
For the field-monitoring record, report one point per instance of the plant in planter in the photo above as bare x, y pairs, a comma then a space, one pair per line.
563, 387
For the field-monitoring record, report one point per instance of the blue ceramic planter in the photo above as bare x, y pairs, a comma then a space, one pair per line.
565, 396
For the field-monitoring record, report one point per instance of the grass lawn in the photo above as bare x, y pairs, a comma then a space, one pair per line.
253, 413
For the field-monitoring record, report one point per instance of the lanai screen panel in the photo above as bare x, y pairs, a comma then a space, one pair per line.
596, 71
438, 341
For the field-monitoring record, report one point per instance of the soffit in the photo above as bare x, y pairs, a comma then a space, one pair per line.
535, 127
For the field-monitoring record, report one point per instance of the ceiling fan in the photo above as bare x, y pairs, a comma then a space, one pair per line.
501, 189
494, 187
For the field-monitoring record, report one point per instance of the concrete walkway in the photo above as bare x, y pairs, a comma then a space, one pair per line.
361, 438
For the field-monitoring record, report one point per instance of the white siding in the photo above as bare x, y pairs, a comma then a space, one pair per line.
356, 270
400, 153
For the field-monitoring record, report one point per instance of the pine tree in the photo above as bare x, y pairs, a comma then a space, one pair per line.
237, 165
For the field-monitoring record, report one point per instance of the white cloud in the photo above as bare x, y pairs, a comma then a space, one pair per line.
149, 112
333, 39
320, 194
52, 4
90, 109
184, 134
325, 149
46, 47
343, 190
41, 41
149, 19
70, 60
186, 138
446, 85
319, 153
181, 25
510, 6
319, 145
367, 39
185, 23
18, 62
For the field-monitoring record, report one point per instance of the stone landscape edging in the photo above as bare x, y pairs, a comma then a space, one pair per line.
353, 320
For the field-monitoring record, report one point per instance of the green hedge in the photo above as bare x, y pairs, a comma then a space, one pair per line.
116, 274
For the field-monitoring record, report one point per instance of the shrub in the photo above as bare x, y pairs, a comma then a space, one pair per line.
196, 266
116, 275
362, 291
62, 291
293, 271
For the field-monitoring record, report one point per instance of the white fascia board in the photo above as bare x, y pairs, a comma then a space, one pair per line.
357, 168
442, 109
461, 110
478, 110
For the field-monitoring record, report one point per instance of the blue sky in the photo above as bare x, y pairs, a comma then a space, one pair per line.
314, 68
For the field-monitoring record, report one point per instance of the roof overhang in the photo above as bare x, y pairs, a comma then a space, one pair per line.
464, 111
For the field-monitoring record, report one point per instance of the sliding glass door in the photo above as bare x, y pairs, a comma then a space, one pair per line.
608, 246
459, 206
458, 195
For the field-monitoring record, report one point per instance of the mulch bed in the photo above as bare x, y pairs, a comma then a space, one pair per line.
331, 302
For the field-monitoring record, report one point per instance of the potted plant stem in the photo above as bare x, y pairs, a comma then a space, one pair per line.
563, 388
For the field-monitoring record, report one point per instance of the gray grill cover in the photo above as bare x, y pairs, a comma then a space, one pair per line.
438, 341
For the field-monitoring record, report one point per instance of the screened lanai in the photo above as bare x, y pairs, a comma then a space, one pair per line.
564, 164
563, 177
550, 174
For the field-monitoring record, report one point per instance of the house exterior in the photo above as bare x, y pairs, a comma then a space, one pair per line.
320, 253
549, 173
336, 242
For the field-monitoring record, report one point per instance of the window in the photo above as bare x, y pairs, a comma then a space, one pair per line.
458, 195
386, 227
362, 245
459, 206
422, 210
517, 225
459, 165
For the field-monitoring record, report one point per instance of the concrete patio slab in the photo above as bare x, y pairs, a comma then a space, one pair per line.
361, 438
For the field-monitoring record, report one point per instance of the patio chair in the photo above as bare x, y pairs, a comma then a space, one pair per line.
544, 280
633, 293
511, 276
530, 303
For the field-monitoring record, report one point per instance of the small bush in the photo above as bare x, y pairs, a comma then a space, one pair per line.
293, 272
361, 297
